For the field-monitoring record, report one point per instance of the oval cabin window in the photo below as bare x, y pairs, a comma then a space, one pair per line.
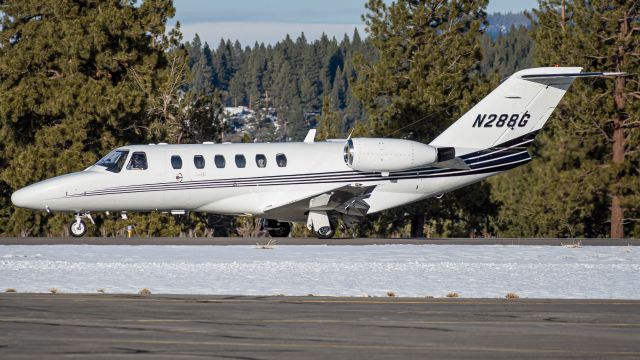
198, 161
241, 161
220, 161
176, 162
281, 160
261, 160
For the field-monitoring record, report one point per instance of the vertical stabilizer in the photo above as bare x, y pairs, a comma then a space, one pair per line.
519, 106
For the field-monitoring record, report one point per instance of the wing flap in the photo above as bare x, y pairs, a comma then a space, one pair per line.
348, 200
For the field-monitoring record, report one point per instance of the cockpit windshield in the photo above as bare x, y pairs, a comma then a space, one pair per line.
114, 161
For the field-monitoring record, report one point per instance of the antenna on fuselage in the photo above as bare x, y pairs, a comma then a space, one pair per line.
311, 136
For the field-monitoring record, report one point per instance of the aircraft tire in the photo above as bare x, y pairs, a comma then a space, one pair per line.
283, 230
324, 233
77, 229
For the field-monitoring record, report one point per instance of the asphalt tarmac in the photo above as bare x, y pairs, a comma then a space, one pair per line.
308, 241
172, 326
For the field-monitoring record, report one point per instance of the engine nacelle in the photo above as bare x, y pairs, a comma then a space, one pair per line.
384, 155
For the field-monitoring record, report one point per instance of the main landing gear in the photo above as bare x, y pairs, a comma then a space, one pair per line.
276, 228
322, 225
77, 228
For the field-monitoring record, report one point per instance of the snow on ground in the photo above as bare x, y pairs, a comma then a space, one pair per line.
408, 270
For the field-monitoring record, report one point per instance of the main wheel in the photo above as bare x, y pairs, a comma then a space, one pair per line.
325, 232
282, 230
77, 228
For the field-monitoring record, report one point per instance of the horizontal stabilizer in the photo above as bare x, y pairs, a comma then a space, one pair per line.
570, 75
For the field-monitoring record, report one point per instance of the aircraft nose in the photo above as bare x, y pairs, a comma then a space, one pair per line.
28, 197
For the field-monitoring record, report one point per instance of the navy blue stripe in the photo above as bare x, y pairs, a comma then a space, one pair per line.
415, 175
262, 181
497, 169
512, 157
528, 138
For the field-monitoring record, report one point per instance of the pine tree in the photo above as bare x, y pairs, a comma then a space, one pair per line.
509, 52
68, 94
199, 60
223, 65
330, 123
588, 156
427, 71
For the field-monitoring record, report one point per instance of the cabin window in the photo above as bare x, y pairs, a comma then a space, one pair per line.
198, 161
261, 160
176, 162
241, 161
114, 161
138, 161
219, 160
281, 160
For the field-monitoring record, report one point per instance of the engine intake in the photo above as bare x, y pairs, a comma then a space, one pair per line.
379, 154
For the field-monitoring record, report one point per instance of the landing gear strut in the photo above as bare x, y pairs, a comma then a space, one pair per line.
77, 228
276, 228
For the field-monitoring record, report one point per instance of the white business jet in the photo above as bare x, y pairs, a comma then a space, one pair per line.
313, 182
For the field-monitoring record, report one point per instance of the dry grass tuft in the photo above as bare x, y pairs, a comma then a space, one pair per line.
53, 290
269, 245
452, 295
391, 294
573, 245
512, 296
10, 290
144, 292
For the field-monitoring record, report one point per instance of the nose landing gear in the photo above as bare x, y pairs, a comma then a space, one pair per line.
77, 228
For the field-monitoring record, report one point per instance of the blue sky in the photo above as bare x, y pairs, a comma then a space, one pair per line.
269, 21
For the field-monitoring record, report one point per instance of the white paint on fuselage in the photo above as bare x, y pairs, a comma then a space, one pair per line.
226, 190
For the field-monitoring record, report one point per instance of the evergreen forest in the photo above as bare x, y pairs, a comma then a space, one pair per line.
79, 78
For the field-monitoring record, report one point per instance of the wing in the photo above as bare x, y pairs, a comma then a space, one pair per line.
348, 200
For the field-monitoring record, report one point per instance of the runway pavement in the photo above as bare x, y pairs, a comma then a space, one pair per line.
172, 326
307, 241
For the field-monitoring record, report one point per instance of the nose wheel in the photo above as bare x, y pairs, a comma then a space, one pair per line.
77, 228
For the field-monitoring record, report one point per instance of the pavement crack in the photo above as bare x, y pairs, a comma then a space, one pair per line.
132, 350
415, 328
555, 319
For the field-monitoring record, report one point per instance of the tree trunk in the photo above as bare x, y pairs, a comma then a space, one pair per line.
617, 211
417, 225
